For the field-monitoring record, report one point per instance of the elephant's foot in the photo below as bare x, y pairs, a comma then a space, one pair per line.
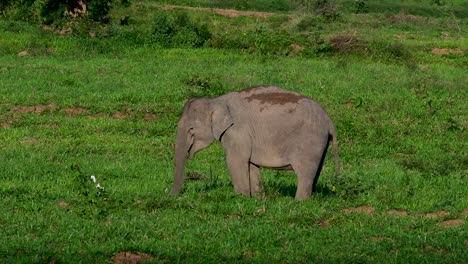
245, 190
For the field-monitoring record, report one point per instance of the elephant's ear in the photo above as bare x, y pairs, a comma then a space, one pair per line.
221, 119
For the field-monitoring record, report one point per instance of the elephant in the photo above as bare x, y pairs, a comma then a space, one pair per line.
262, 126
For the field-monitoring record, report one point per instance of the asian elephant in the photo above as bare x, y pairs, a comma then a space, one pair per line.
262, 126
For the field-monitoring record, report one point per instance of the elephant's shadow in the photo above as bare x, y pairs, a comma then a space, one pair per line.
270, 186
286, 189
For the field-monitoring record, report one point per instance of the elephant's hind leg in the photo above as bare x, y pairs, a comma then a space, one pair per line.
319, 169
307, 169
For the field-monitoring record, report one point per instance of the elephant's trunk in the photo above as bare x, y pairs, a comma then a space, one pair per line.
181, 150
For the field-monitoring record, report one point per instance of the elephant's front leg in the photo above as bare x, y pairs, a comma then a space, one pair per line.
239, 170
237, 157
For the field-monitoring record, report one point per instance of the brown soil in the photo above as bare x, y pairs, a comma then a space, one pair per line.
62, 204
295, 49
98, 115
223, 12
345, 43
7, 124
397, 212
130, 258
435, 214
361, 209
37, 109
451, 222
74, 111
465, 212
23, 53
118, 115
444, 51
432, 249
324, 224
30, 140
150, 117
403, 18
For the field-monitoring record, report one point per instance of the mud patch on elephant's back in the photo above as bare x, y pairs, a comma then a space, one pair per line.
275, 98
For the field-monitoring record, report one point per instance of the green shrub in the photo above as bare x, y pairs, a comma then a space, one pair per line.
327, 9
361, 6
99, 10
17, 10
200, 86
52, 11
178, 30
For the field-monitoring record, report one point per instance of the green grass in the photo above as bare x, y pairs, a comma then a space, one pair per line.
110, 105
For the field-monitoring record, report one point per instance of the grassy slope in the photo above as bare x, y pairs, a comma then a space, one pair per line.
403, 146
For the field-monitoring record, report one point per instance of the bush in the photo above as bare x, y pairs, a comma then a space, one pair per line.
200, 86
52, 11
361, 6
16, 9
327, 9
348, 43
179, 30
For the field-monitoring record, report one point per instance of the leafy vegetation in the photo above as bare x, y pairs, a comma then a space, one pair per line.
82, 98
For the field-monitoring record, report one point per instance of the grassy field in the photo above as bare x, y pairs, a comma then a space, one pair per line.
105, 100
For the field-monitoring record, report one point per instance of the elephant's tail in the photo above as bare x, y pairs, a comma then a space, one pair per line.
335, 149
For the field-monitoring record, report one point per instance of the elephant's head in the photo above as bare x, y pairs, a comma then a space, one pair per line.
203, 120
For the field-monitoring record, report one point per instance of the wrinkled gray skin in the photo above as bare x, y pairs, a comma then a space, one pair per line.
258, 127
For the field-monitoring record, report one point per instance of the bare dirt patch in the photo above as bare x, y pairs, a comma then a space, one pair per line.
62, 204
37, 109
403, 18
7, 124
150, 117
361, 209
29, 140
74, 111
397, 212
223, 12
345, 43
23, 53
130, 258
451, 222
435, 214
295, 49
465, 212
98, 115
432, 249
324, 224
119, 115
445, 51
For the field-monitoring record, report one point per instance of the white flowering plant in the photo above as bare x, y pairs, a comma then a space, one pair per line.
94, 201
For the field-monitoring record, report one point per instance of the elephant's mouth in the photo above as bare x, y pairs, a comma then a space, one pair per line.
189, 152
